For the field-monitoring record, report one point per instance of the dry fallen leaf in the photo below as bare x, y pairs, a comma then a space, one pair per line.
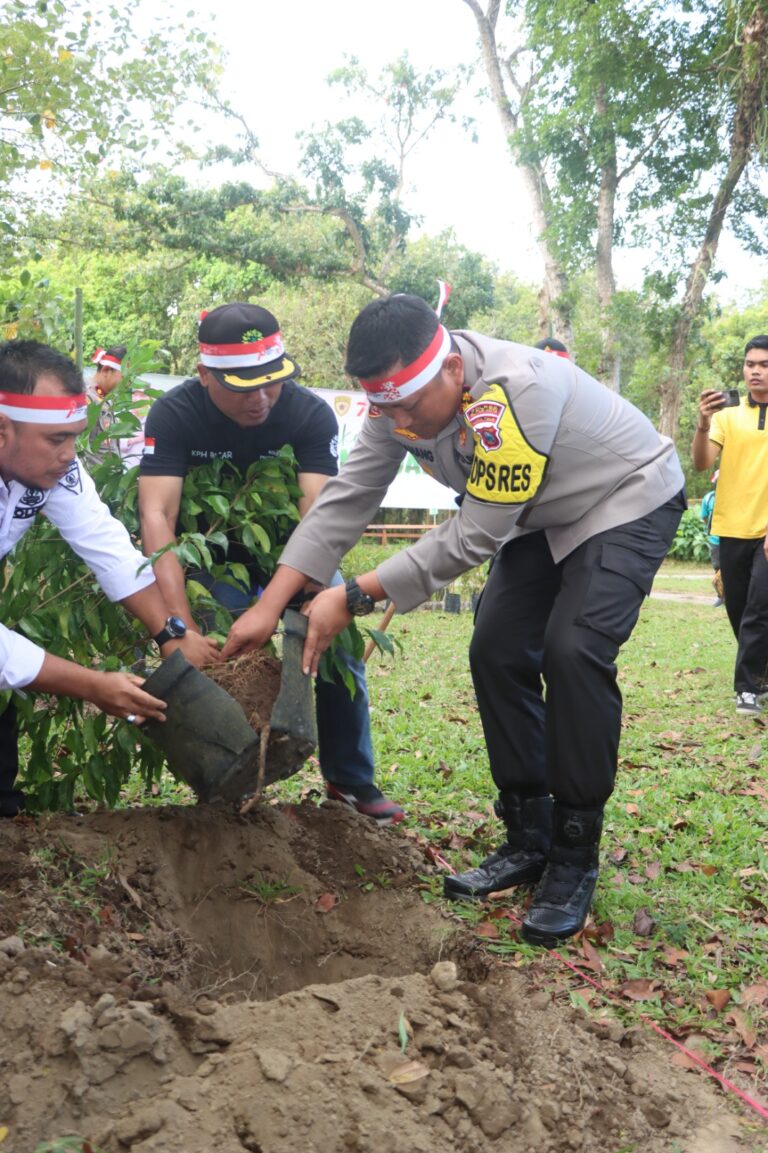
753, 994
743, 1027
640, 989
409, 1071
682, 1059
718, 998
672, 957
592, 956
487, 929
643, 923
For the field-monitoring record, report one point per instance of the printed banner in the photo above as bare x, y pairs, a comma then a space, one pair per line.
412, 487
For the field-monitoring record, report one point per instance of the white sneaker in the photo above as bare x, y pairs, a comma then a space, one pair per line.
748, 704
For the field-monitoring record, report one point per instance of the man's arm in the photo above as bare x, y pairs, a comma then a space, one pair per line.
704, 452
118, 694
253, 629
24, 664
159, 503
311, 484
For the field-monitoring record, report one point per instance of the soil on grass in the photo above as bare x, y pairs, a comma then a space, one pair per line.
187, 980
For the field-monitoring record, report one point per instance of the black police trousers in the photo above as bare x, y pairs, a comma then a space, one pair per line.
543, 655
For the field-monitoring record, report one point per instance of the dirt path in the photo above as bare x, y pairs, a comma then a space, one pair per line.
187, 980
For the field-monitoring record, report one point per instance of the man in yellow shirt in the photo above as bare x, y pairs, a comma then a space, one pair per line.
736, 430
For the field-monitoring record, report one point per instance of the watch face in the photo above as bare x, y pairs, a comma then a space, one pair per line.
359, 604
176, 626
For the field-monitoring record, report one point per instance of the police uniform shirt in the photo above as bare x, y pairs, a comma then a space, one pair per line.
184, 429
88, 527
537, 444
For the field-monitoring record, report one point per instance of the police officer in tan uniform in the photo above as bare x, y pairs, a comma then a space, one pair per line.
577, 498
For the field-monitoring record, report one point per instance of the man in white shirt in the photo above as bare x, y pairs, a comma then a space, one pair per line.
42, 412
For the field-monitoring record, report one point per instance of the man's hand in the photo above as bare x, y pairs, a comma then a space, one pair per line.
198, 650
711, 401
121, 695
328, 615
704, 452
250, 631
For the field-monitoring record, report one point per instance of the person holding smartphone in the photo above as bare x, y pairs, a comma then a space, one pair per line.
733, 428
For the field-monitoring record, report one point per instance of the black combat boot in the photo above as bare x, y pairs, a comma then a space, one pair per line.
563, 895
520, 859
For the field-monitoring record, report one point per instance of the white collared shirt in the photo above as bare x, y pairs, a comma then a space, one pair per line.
89, 528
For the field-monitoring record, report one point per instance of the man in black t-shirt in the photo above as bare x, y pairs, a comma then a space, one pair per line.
245, 405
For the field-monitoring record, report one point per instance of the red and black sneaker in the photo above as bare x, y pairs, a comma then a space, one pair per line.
368, 800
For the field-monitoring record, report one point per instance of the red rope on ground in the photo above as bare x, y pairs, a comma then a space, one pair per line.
604, 993
758, 1108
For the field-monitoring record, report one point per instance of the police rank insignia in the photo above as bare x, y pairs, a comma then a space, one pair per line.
506, 469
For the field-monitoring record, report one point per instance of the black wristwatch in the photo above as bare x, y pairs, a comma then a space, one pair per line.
359, 604
174, 630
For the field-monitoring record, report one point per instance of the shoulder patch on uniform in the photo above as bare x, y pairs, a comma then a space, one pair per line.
72, 480
373, 411
506, 469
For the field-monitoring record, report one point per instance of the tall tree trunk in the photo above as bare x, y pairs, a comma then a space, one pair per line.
606, 281
748, 113
555, 298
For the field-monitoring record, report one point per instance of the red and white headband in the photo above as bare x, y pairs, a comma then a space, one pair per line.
105, 360
399, 385
43, 409
249, 354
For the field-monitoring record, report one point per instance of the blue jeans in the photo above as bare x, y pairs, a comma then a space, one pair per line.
344, 743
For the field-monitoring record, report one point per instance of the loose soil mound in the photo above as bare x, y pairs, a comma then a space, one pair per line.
191, 980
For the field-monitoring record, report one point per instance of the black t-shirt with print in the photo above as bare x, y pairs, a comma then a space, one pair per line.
185, 429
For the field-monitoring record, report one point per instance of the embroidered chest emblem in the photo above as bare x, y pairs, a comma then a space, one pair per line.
485, 419
32, 499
